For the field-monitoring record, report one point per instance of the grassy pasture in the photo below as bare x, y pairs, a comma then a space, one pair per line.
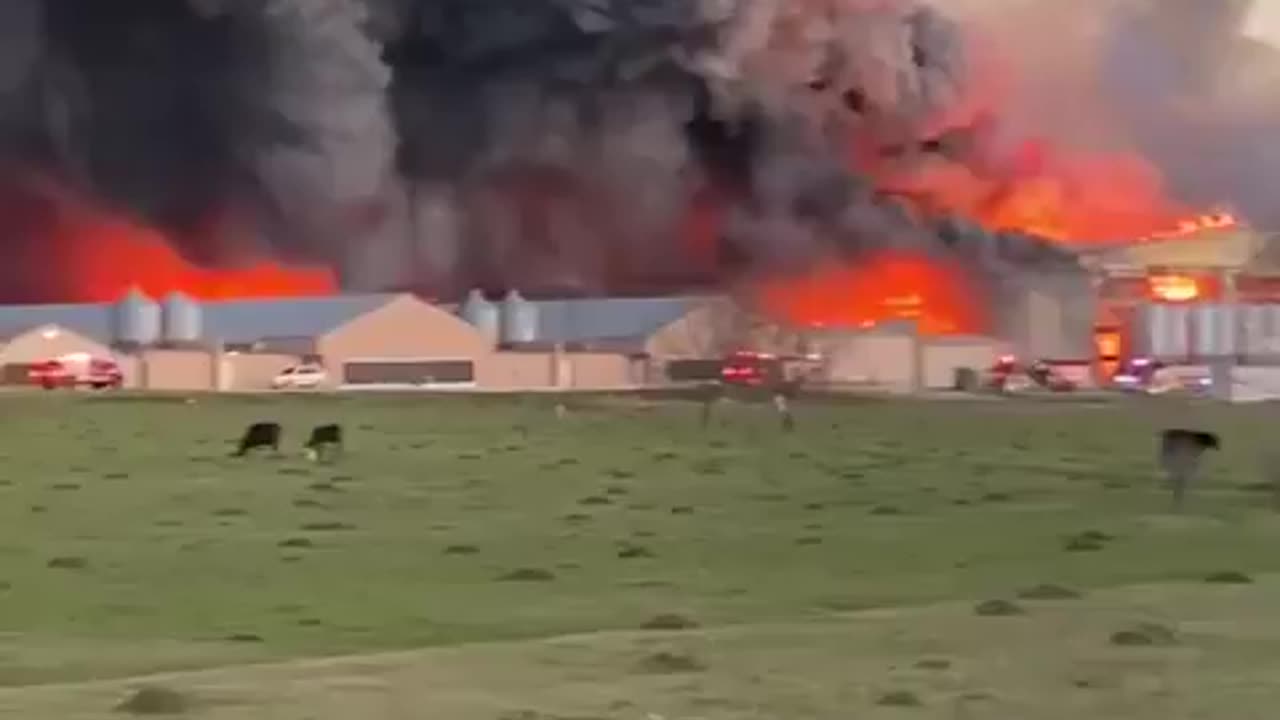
476, 558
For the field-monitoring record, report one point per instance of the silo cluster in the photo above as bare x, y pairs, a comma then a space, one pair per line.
510, 321
139, 321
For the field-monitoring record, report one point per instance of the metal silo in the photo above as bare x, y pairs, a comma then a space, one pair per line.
1162, 331
1213, 330
182, 319
135, 319
482, 314
519, 319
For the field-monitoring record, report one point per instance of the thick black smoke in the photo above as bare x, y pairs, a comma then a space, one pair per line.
438, 144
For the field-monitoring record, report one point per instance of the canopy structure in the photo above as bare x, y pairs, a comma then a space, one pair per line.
1238, 249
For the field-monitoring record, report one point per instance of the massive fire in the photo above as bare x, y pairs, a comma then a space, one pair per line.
104, 257
1075, 199
887, 287
61, 249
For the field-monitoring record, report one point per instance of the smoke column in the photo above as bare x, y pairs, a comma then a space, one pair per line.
1175, 88
598, 145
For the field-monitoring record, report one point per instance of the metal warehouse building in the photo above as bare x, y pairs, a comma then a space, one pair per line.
1212, 296
177, 343
399, 340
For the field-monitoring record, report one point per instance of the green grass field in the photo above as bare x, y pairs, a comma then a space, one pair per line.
477, 558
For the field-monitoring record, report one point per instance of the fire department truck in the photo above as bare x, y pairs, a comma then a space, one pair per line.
76, 370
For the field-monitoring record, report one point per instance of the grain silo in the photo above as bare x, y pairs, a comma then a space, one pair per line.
182, 319
519, 319
482, 314
135, 320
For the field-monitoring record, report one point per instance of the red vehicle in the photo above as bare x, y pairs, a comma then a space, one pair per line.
1008, 374
751, 369
76, 370
756, 369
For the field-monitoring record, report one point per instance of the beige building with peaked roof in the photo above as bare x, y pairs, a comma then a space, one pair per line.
401, 341
363, 342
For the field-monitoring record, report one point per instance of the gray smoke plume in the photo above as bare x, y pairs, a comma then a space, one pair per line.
1202, 102
1177, 83
438, 144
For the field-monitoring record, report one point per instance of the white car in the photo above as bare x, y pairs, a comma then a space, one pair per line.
300, 377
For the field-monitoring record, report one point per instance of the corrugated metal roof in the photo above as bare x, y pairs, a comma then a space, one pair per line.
243, 321
564, 321
229, 321
249, 320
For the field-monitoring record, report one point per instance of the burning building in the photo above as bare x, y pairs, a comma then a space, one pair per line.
1208, 293
815, 154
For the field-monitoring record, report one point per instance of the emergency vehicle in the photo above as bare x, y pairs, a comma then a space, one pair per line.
75, 370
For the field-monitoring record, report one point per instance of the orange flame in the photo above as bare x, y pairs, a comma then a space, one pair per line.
1173, 288
108, 256
890, 286
1073, 198
64, 248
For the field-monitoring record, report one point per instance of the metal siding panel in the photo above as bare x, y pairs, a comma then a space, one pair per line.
1213, 330
1253, 331
1162, 331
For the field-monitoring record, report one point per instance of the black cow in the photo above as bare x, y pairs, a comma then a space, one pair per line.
259, 435
1179, 457
325, 440
709, 394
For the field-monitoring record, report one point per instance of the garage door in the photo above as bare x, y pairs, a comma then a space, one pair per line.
403, 373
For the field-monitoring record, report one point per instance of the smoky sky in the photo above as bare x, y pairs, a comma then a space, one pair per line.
1176, 83
443, 144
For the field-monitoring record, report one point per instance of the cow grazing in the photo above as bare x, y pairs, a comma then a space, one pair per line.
1179, 457
325, 441
259, 435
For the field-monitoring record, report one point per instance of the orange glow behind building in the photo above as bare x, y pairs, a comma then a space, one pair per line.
887, 287
1173, 288
101, 258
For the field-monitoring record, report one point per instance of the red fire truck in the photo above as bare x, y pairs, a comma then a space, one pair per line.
757, 369
751, 369
76, 370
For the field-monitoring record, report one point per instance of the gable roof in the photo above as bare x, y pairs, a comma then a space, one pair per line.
250, 320
9, 334
567, 321
228, 320
91, 321
1226, 248
245, 321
